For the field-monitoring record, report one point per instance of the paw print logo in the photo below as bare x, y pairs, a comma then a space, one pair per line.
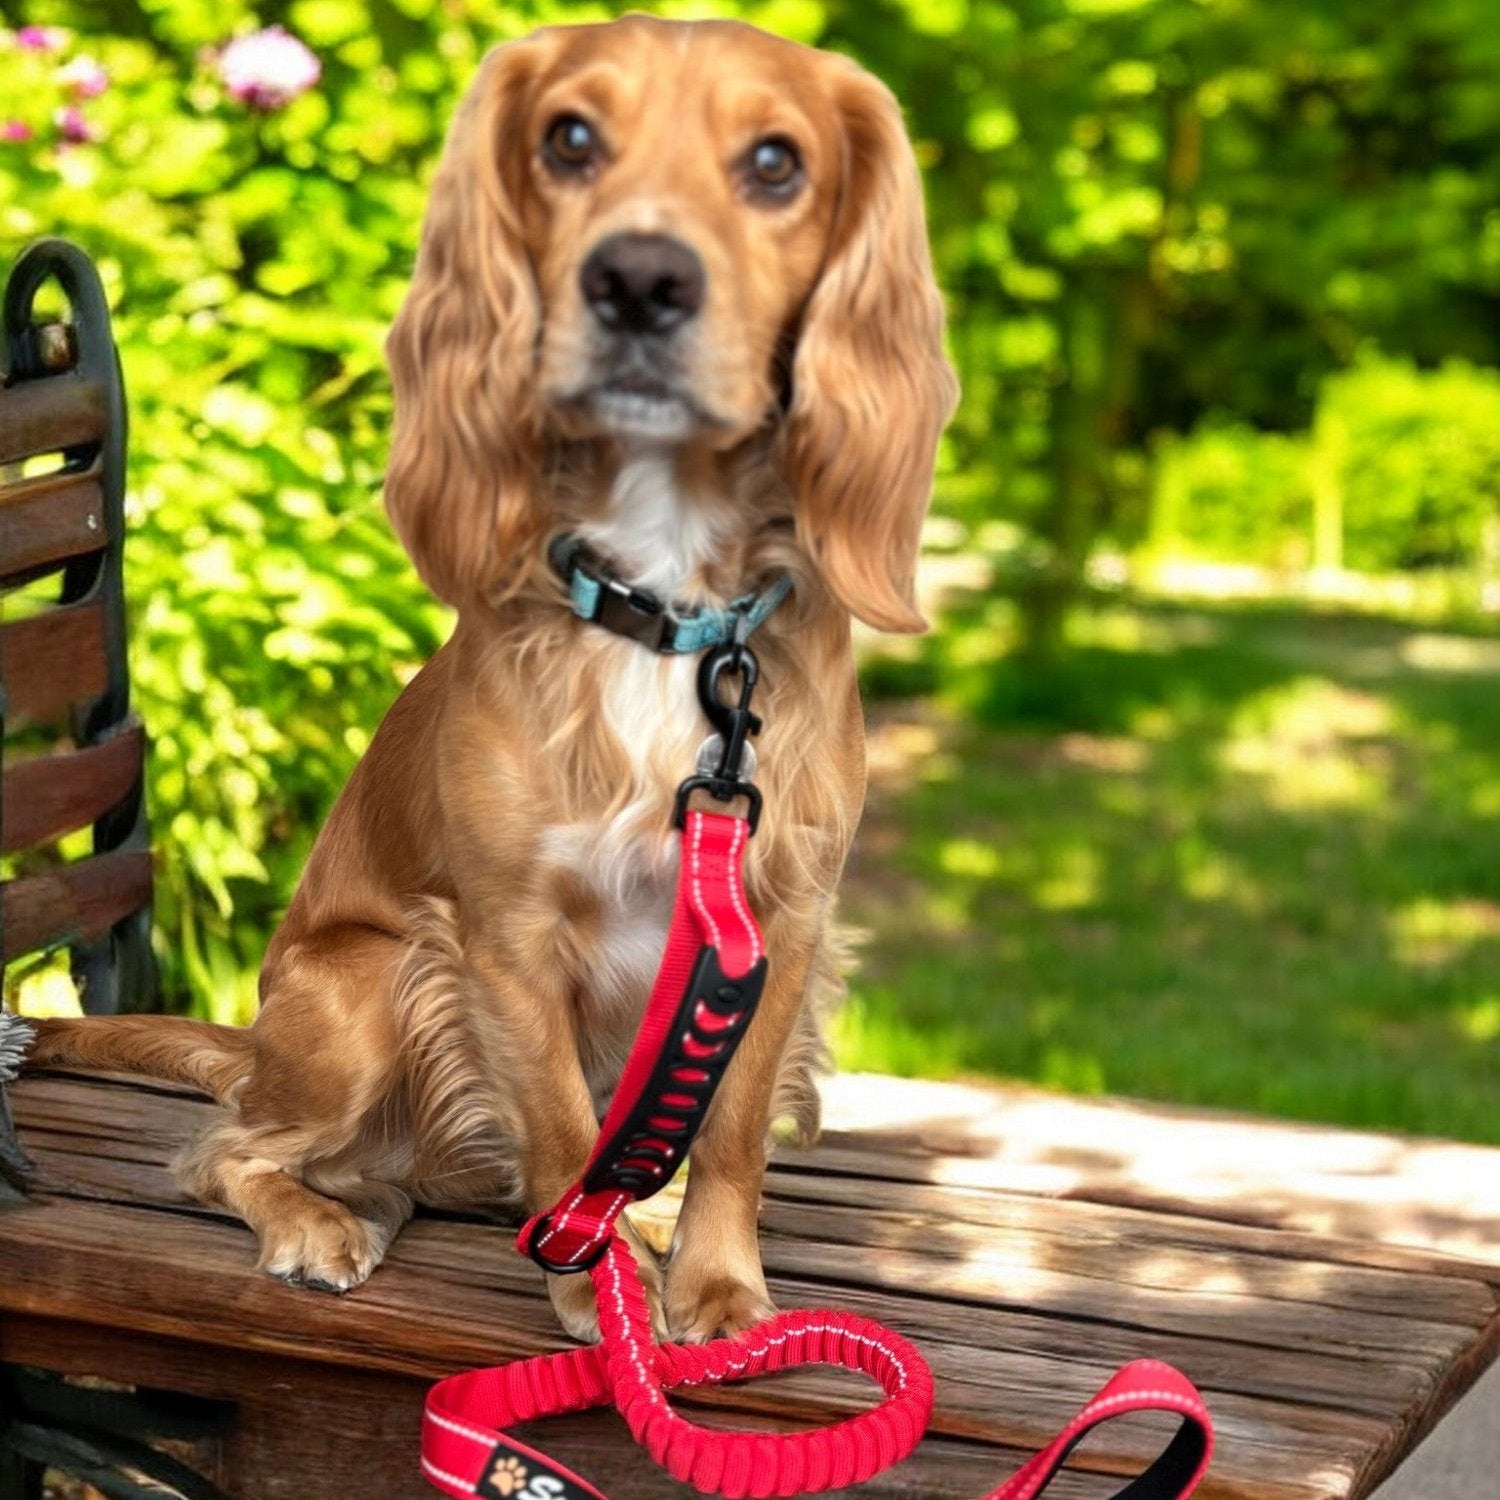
508, 1477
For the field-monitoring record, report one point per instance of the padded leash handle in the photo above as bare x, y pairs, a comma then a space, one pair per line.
705, 993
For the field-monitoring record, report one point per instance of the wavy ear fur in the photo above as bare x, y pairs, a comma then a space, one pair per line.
461, 486
871, 388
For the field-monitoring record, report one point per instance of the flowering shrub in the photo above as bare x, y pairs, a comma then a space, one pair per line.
268, 69
44, 96
252, 199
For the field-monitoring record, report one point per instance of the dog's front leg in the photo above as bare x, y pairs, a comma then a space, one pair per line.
533, 1047
715, 1283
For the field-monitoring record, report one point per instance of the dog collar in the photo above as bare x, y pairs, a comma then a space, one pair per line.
601, 597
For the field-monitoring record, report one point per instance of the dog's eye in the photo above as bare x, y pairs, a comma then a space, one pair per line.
571, 145
775, 167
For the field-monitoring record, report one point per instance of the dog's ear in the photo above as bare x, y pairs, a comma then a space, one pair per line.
871, 388
461, 488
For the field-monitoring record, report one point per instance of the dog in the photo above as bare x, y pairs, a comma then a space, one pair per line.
673, 297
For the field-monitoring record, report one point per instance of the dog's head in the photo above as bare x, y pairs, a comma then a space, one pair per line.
654, 233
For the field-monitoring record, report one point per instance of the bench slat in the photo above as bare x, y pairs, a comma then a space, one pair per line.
1321, 1374
49, 415
81, 901
50, 795
49, 519
50, 661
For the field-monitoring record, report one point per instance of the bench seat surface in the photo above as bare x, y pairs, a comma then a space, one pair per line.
1332, 1293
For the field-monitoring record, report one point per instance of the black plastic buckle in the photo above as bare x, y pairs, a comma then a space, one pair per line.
630, 612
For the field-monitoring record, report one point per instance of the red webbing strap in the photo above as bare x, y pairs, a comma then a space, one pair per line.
465, 1452
464, 1448
711, 910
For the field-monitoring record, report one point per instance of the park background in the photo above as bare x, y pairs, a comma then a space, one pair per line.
1193, 792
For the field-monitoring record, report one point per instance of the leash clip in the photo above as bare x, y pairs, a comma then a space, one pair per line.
734, 722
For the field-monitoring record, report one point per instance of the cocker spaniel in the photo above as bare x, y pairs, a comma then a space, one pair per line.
673, 298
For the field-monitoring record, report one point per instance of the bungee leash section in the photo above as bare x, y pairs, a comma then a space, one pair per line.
705, 993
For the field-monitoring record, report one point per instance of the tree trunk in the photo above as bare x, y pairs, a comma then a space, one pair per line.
1106, 319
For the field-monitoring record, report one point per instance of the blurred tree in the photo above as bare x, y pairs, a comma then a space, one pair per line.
1151, 210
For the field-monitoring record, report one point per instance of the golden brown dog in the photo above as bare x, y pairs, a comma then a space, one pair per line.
673, 294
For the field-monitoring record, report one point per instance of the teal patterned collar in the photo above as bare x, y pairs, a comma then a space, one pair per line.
598, 595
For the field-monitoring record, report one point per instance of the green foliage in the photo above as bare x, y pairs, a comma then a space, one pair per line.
1411, 456
1230, 491
1154, 218
1156, 212
254, 263
1420, 466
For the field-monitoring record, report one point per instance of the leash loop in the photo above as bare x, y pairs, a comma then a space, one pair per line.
711, 976
465, 1451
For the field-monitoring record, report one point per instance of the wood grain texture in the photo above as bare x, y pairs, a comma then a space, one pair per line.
81, 901
1323, 1355
49, 519
50, 415
51, 661
47, 796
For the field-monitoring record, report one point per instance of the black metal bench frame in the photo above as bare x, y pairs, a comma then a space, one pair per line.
64, 392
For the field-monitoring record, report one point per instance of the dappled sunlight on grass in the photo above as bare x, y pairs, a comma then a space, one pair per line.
1252, 870
1428, 933
1313, 744
1430, 652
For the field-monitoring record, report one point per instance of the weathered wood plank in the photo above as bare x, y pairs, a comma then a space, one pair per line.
47, 796
1431, 1195
81, 900
51, 661
49, 415
49, 519
1321, 1369
191, 1276
382, 1413
815, 1216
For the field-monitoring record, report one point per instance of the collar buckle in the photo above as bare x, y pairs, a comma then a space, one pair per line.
633, 613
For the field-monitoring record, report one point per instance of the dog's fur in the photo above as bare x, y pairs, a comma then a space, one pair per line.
447, 1004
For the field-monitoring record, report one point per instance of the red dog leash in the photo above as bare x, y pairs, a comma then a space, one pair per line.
705, 993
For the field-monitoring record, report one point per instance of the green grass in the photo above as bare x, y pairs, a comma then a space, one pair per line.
1230, 856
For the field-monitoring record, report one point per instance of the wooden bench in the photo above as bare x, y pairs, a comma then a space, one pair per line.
1333, 1293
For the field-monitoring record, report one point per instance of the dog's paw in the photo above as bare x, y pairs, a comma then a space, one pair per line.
573, 1296
324, 1248
701, 1308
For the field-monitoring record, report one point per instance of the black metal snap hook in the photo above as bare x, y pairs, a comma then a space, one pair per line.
734, 721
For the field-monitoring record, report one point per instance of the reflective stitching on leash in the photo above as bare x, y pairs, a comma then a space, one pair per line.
630, 1371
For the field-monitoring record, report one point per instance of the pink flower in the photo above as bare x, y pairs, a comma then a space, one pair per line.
72, 126
84, 77
268, 68
41, 38
15, 130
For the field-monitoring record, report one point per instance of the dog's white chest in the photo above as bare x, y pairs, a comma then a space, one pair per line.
629, 859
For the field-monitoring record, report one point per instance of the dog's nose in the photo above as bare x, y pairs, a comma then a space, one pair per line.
642, 283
